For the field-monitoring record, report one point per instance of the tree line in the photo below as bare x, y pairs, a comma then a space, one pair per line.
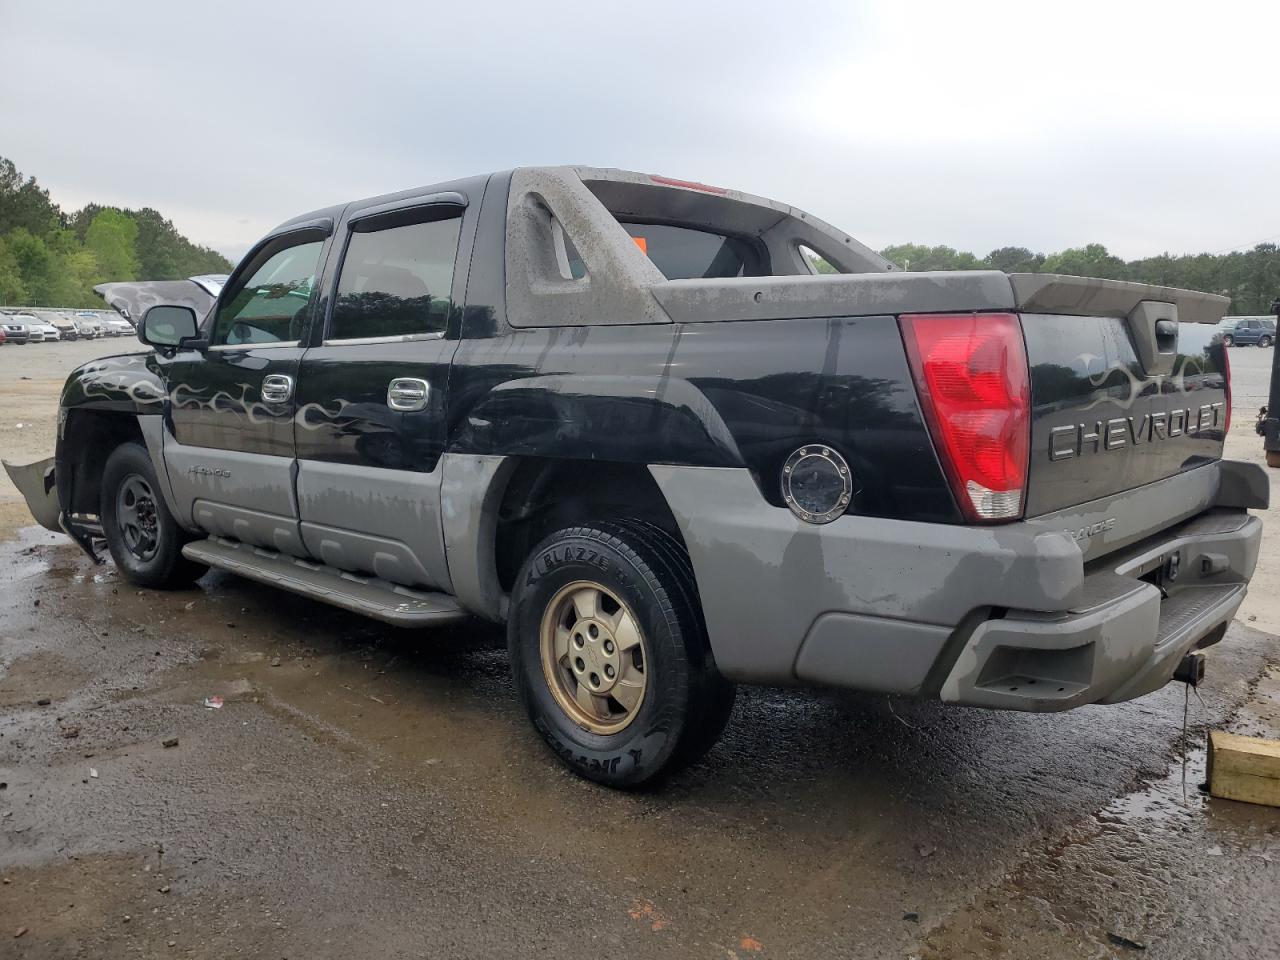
1251, 278
51, 258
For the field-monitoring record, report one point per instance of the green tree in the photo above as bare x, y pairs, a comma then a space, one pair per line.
1013, 260
24, 203
165, 254
12, 289
112, 239
915, 257
36, 264
1092, 260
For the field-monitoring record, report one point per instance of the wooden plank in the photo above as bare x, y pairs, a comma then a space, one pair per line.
1244, 768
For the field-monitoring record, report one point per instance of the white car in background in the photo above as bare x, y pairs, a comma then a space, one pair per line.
65, 326
118, 327
37, 330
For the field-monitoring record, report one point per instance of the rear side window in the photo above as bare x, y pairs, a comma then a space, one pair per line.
396, 281
269, 306
683, 253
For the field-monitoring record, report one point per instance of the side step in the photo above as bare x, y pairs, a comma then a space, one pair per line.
370, 596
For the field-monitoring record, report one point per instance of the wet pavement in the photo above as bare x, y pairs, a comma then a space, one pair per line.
370, 792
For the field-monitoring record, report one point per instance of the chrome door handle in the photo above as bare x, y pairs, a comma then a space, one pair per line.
408, 395
277, 388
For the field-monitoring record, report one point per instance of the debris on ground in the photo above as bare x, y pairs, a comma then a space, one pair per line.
1122, 941
912, 916
70, 733
237, 689
170, 742
44, 701
19, 932
926, 849
275, 661
93, 773
1244, 768
213, 703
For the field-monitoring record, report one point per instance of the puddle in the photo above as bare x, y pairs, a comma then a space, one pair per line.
1171, 801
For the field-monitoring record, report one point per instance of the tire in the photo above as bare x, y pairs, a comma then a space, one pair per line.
1228, 340
1264, 341
144, 539
628, 570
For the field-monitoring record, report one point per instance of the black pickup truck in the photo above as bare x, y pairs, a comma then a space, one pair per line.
677, 437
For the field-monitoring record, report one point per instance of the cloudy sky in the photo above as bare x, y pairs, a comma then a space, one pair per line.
1144, 126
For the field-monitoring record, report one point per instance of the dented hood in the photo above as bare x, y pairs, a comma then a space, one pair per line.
132, 298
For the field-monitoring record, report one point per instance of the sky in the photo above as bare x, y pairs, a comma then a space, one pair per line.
1147, 127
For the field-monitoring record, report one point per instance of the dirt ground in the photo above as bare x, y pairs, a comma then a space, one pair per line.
367, 792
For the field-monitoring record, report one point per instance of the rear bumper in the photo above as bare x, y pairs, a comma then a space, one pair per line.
1126, 636
1015, 616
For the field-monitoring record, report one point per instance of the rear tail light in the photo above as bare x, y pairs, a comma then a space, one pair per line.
971, 374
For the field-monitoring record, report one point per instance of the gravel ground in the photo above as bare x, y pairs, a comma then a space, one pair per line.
372, 792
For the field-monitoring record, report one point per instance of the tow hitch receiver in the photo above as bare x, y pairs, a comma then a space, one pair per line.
1191, 670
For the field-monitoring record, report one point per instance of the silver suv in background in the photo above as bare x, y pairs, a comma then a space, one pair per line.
90, 324
16, 331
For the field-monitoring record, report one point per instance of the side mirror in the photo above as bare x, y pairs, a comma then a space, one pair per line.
167, 326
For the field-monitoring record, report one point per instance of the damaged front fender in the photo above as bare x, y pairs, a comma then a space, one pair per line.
36, 483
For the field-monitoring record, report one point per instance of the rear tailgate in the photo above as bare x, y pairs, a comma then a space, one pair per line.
1128, 386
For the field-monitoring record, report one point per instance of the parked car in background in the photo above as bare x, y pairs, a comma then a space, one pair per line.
35, 329
1245, 331
15, 330
47, 329
3, 338
118, 327
59, 321
90, 324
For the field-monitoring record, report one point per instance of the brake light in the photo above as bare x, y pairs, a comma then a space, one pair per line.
975, 391
687, 184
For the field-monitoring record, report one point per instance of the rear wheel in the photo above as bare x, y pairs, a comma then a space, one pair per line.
610, 656
1228, 339
144, 539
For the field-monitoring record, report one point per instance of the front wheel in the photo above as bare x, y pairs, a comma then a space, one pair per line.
144, 539
1264, 341
610, 656
1228, 340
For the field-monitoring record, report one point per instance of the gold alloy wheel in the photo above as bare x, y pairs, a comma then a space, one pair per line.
593, 657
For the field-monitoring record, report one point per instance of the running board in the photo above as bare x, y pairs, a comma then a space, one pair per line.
370, 596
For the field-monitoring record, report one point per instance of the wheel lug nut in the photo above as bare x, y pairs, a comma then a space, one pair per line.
595, 680
608, 646
578, 641
594, 631
608, 671
579, 664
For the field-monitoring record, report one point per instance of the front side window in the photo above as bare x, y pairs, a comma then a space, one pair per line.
396, 281
269, 307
